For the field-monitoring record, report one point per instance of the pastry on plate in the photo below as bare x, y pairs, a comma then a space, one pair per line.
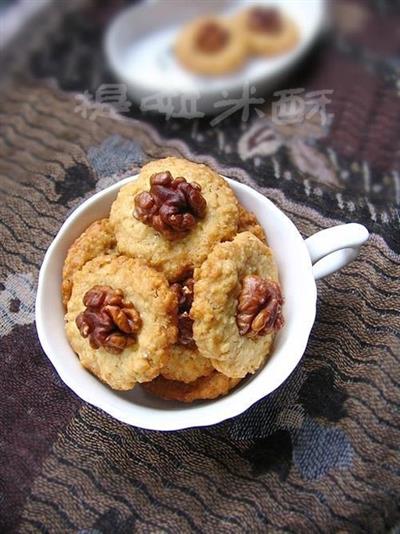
173, 215
266, 30
211, 46
121, 320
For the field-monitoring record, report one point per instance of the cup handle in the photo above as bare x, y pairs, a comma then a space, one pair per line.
333, 248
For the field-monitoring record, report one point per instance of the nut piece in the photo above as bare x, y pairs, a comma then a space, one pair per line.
259, 310
265, 19
171, 206
108, 321
184, 293
211, 38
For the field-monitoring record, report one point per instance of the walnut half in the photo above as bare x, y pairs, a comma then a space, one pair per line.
172, 206
184, 293
108, 321
259, 310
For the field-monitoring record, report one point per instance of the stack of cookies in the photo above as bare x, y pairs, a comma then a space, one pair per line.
177, 290
214, 45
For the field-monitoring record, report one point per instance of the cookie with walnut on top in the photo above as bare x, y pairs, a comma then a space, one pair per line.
173, 215
237, 305
121, 320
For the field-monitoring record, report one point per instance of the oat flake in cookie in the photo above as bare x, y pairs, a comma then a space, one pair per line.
137, 236
121, 320
237, 305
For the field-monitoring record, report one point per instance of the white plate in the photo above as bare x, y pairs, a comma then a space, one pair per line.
139, 48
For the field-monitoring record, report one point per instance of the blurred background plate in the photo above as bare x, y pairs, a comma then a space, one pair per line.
139, 48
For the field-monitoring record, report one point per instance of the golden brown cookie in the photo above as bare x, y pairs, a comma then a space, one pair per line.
185, 365
96, 240
219, 284
124, 354
205, 388
248, 223
211, 46
267, 31
218, 222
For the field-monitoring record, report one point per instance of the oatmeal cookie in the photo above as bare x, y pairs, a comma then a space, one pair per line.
185, 365
237, 305
204, 388
267, 31
96, 240
248, 223
136, 234
121, 320
211, 46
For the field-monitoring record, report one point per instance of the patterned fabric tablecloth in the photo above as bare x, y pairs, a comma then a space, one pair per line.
320, 454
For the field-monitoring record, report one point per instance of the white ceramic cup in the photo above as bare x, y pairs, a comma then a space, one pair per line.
300, 263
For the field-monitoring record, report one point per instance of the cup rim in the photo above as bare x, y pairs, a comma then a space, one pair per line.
195, 415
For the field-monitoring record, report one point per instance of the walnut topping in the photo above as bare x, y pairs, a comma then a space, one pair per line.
212, 37
265, 19
108, 321
259, 310
184, 292
172, 206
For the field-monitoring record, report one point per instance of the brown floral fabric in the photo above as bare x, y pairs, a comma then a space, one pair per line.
320, 454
